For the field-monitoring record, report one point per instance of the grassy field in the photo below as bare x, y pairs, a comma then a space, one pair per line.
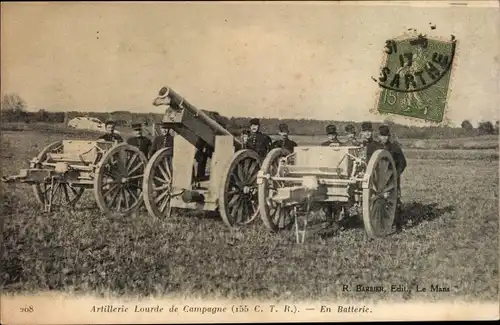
450, 239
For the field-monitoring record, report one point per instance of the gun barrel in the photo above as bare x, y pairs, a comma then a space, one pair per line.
177, 100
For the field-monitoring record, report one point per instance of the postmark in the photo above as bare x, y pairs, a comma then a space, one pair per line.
415, 76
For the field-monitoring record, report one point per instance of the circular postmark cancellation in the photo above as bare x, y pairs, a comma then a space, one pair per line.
415, 76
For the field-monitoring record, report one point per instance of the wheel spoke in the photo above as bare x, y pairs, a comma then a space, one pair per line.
234, 200
113, 199
161, 196
119, 205
110, 190
246, 164
239, 216
165, 203
160, 180
167, 167
162, 187
251, 169
164, 174
390, 186
135, 168
132, 160
126, 198
234, 190
136, 176
122, 158
132, 194
241, 174
235, 178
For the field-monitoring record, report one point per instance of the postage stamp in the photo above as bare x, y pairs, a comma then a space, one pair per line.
415, 76
226, 162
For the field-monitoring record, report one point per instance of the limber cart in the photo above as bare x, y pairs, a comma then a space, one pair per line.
337, 180
63, 170
225, 176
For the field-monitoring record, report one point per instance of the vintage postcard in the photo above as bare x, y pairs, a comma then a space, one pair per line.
197, 162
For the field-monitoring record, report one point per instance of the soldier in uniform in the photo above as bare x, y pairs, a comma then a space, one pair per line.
331, 132
367, 140
139, 140
258, 141
245, 135
110, 134
351, 136
284, 142
164, 140
399, 159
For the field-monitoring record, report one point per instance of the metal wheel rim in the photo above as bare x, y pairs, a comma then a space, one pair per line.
274, 218
379, 210
159, 170
238, 197
121, 162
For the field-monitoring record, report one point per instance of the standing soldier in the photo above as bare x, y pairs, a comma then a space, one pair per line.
245, 134
164, 140
258, 141
331, 132
139, 140
351, 136
110, 133
367, 140
399, 159
284, 142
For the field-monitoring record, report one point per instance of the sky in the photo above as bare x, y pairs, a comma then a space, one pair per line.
288, 59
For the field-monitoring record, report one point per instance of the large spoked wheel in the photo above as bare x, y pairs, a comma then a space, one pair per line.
118, 180
62, 194
274, 215
238, 193
380, 194
157, 184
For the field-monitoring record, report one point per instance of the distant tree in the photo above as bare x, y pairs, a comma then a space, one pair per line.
13, 102
496, 127
467, 125
14, 108
486, 128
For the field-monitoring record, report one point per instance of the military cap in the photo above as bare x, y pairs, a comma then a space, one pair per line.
350, 128
109, 122
331, 129
384, 130
283, 127
136, 126
366, 126
255, 121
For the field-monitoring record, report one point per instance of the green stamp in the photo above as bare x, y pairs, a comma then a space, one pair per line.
415, 77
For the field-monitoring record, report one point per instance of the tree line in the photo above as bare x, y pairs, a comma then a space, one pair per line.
14, 110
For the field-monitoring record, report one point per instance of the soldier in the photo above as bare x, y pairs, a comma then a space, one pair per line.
139, 140
367, 140
110, 133
245, 134
351, 136
284, 142
399, 159
331, 132
164, 140
258, 141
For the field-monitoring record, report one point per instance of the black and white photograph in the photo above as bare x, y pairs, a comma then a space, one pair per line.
249, 161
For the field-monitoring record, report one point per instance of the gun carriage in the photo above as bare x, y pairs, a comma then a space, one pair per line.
63, 170
227, 184
337, 180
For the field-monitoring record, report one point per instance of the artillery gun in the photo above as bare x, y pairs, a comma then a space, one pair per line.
338, 180
171, 180
63, 170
